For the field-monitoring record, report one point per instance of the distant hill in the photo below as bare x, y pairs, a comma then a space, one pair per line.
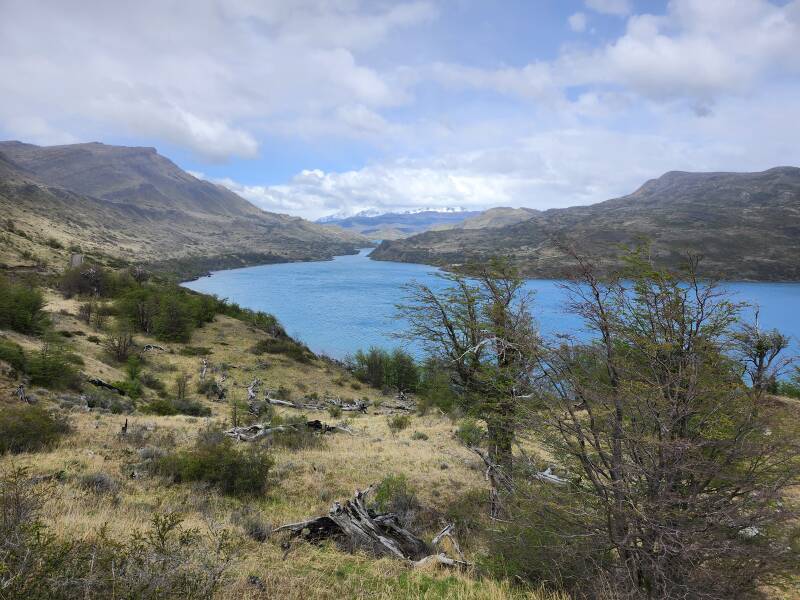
493, 217
746, 226
398, 225
135, 204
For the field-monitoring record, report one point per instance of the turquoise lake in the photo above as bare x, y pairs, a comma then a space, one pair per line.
337, 307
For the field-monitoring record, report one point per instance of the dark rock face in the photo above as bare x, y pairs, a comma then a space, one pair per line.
745, 225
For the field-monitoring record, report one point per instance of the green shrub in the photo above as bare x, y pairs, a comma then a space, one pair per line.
334, 411
470, 433
382, 369
215, 459
53, 366
398, 423
419, 435
21, 308
297, 437
194, 351
13, 354
285, 346
435, 389
25, 428
396, 495
54, 243
166, 407
790, 388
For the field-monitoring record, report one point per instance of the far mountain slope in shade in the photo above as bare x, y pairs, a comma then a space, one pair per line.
392, 226
138, 205
746, 226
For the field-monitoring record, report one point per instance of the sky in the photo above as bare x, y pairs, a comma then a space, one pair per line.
317, 107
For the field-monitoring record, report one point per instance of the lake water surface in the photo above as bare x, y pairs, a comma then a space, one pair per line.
340, 306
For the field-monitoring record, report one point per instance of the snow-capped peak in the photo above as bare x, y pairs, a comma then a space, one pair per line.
377, 212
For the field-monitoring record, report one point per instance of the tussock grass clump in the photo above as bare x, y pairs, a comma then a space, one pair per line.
215, 460
398, 423
298, 437
99, 483
25, 428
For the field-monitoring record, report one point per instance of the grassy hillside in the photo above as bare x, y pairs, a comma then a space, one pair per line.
135, 205
97, 485
745, 225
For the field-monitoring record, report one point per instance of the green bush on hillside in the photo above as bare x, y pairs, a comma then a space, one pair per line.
215, 459
21, 308
382, 369
166, 407
13, 354
26, 428
53, 366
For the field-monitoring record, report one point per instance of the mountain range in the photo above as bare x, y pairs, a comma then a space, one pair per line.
746, 226
134, 204
397, 225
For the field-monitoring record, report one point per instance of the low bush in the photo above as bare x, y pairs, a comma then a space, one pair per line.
53, 366
166, 406
25, 428
13, 354
286, 346
380, 369
99, 483
398, 423
194, 351
297, 437
101, 399
215, 460
419, 435
470, 433
396, 495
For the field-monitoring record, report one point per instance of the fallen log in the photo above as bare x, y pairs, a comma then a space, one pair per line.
150, 347
359, 406
353, 526
103, 384
260, 430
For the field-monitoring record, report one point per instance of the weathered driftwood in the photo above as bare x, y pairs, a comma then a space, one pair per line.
252, 389
260, 430
104, 384
358, 406
352, 525
151, 347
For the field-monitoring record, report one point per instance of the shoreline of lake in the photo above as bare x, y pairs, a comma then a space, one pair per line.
345, 304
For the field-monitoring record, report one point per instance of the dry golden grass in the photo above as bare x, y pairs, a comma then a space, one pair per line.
305, 481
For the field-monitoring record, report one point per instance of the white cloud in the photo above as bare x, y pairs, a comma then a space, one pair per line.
208, 78
577, 22
610, 7
555, 167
